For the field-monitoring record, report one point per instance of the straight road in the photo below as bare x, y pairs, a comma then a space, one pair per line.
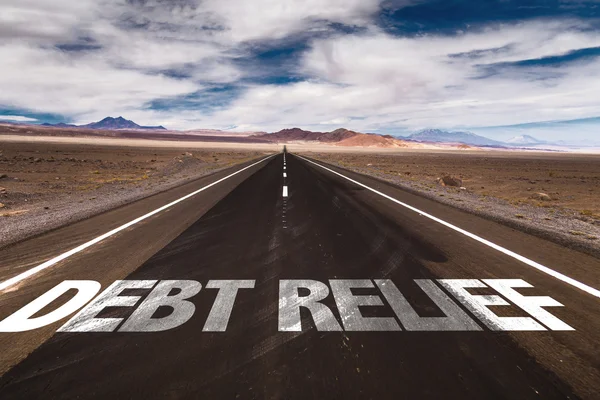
287, 221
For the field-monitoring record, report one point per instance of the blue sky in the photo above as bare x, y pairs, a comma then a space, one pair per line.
498, 68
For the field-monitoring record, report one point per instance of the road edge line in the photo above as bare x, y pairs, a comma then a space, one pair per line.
30, 272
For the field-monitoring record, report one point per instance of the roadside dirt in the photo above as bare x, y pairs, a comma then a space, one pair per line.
554, 195
45, 185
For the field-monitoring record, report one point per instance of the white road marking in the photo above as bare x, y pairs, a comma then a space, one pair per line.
525, 260
9, 282
284, 175
285, 191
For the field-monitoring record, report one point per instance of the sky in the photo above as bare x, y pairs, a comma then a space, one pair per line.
494, 67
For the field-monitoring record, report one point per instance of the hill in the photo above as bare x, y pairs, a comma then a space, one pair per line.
295, 134
108, 123
372, 140
440, 136
292, 134
524, 140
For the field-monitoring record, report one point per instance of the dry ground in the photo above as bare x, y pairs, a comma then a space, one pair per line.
571, 181
504, 185
43, 183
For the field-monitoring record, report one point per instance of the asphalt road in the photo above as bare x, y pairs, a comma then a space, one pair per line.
269, 225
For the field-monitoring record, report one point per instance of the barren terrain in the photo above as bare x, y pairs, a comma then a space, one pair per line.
554, 194
45, 185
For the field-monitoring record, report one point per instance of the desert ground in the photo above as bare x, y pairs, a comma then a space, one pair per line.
45, 184
48, 181
554, 194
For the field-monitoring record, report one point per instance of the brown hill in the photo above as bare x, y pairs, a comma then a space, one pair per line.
294, 134
286, 135
372, 140
338, 135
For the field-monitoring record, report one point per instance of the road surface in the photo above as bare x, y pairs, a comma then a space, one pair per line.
288, 230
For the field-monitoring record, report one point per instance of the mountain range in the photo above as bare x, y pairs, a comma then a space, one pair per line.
346, 137
300, 134
525, 140
440, 136
468, 138
339, 137
108, 123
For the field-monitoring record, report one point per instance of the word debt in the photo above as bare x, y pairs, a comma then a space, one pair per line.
356, 302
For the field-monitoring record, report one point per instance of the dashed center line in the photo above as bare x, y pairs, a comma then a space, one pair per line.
284, 194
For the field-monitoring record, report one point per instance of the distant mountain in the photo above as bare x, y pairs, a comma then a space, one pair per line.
524, 140
371, 140
108, 123
60, 125
440, 136
292, 134
118, 123
338, 137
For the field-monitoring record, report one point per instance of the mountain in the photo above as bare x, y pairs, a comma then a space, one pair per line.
60, 125
524, 140
338, 137
440, 136
108, 123
118, 123
371, 140
292, 134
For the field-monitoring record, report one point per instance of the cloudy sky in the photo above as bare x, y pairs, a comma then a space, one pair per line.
497, 67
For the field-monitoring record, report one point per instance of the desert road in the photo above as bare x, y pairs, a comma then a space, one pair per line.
286, 278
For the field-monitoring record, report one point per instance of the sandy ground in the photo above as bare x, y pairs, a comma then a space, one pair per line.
55, 180
555, 195
44, 185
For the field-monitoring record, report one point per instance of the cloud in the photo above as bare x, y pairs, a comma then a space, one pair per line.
89, 58
276, 19
268, 64
383, 81
16, 118
49, 81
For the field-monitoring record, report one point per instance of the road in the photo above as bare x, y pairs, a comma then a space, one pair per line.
269, 227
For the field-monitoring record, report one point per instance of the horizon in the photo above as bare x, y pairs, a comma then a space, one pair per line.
407, 135
497, 69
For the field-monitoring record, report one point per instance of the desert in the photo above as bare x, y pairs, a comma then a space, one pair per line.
55, 175
47, 183
555, 195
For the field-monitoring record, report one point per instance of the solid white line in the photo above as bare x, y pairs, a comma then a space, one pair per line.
285, 191
9, 282
531, 263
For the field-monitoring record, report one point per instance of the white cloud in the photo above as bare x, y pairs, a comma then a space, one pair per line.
413, 83
366, 81
16, 118
46, 80
275, 19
